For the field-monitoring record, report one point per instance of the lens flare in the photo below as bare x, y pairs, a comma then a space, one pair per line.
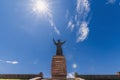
42, 8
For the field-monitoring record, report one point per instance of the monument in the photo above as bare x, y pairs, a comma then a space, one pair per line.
58, 70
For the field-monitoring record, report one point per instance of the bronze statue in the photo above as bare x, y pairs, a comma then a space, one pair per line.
59, 48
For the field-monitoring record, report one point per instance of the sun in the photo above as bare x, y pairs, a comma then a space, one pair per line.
41, 7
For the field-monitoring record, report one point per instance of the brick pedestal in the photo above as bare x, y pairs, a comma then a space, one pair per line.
58, 68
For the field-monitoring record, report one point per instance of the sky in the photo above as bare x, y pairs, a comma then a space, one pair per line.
91, 29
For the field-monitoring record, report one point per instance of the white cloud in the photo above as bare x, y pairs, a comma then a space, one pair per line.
12, 62
74, 66
9, 62
83, 7
70, 75
53, 25
83, 32
81, 19
56, 30
110, 1
71, 25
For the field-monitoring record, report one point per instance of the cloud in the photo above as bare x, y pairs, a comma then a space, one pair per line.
70, 75
74, 66
110, 1
81, 20
12, 62
71, 25
54, 26
9, 62
83, 32
52, 23
83, 9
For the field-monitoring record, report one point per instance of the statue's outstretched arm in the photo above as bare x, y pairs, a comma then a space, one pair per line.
63, 42
54, 41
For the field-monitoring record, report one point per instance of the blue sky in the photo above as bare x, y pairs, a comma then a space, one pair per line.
90, 27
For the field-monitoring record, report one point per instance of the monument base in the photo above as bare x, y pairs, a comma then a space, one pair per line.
58, 68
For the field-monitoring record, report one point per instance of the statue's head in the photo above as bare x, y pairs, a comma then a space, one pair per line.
58, 40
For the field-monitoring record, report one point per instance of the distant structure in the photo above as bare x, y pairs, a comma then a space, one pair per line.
21, 76
58, 71
97, 77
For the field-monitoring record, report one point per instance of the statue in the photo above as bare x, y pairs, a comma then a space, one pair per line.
59, 48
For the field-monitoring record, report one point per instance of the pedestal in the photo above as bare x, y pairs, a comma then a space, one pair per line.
58, 68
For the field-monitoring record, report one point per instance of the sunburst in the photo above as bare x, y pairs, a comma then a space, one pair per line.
41, 7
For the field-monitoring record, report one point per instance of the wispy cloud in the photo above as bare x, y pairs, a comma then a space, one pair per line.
9, 62
71, 25
83, 32
83, 9
53, 25
110, 1
12, 62
81, 19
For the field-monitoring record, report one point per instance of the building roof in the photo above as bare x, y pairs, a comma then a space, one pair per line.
19, 76
99, 77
